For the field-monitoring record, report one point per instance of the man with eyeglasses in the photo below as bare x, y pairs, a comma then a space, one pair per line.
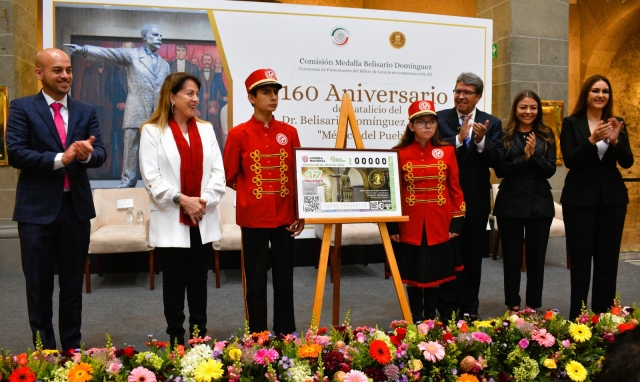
477, 137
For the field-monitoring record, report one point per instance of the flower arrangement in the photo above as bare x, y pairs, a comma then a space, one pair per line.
525, 346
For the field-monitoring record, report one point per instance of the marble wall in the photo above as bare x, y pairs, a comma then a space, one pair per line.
18, 48
625, 82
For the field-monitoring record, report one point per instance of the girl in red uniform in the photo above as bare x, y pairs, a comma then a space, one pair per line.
433, 200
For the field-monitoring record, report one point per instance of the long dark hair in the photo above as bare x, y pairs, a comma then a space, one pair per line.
409, 137
538, 127
581, 105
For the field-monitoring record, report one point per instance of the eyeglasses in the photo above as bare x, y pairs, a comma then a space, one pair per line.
466, 93
424, 124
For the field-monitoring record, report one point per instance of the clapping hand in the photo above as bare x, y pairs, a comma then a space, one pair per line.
530, 147
601, 132
616, 126
84, 148
480, 130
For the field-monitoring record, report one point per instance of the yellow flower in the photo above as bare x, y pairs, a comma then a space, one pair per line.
483, 324
49, 351
416, 365
576, 371
549, 363
80, 373
208, 371
235, 354
580, 332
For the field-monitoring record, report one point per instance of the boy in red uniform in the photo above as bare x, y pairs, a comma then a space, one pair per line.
258, 162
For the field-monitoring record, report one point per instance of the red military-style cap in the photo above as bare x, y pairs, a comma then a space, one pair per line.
419, 108
261, 77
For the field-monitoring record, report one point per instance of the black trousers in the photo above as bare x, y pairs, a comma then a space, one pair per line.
463, 292
64, 242
255, 243
513, 233
185, 269
593, 233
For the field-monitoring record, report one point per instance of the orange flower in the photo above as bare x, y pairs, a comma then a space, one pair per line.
261, 337
548, 315
22, 359
467, 378
80, 373
464, 328
616, 310
308, 351
180, 350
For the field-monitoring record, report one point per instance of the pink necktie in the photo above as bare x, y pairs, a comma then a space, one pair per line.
57, 119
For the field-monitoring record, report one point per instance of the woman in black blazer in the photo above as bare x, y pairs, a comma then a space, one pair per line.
524, 205
594, 199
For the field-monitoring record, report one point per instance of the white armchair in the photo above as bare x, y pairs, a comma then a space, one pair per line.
365, 234
231, 239
110, 234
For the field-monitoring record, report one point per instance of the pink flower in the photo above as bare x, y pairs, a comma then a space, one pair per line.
481, 337
355, 376
423, 328
566, 344
433, 351
322, 340
114, 368
460, 323
219, 346
524, 343
263, 356
543, 337
140, 374
360, 337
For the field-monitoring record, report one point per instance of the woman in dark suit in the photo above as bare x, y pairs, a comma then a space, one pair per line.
524, 205
594, 199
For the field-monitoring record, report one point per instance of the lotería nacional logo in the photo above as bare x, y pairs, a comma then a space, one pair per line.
305, 158
437, 153
340, 36
397, 40
282, 139
424, 105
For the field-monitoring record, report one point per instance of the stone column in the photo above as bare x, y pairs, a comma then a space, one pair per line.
18, 48
532, 40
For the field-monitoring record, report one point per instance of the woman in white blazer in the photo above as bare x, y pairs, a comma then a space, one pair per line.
182, 169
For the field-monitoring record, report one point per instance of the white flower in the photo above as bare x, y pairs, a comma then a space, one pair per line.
192, 359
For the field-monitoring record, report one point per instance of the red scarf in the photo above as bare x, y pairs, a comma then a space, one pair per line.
190, 162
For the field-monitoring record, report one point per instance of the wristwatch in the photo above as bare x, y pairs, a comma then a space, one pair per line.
176, 198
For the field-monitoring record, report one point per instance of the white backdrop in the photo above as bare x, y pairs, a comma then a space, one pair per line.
318, 53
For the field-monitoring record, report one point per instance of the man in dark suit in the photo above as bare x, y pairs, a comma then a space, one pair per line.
181, 64
53, 139
477, 137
